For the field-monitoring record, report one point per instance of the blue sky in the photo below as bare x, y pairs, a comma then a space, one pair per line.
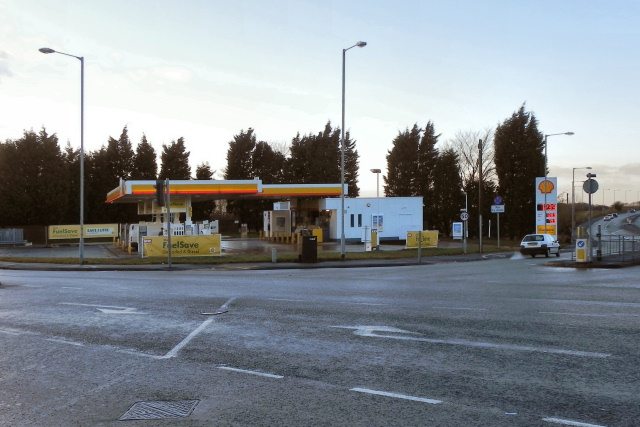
205, 70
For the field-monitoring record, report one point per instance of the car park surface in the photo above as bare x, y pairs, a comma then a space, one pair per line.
499, 342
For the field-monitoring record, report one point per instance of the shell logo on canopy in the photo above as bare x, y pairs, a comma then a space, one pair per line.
546, 187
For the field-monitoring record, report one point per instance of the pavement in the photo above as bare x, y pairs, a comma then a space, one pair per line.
253, 246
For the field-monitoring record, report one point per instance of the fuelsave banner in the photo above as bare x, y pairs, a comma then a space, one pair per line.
181, 246
90, 230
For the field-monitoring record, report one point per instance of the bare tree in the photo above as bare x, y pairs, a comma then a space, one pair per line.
465, 144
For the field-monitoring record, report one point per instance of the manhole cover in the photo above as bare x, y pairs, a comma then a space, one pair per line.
155, 410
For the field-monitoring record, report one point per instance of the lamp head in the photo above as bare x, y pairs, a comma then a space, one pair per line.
569, 133
46, 50
361, 44
376, 170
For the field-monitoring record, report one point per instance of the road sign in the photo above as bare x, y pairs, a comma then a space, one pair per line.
497, 208
464, 216
590, 186
497, 200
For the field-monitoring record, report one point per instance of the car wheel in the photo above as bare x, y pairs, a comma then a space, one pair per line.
533, 255
546, 254
558, 253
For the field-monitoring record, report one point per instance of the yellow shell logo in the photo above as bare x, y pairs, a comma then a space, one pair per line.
546, 187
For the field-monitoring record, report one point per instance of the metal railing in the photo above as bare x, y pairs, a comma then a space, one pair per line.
11, 236
624, 246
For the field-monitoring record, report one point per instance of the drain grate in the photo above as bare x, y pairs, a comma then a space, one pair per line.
156, 410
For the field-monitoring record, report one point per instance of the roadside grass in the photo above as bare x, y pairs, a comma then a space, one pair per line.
263, 258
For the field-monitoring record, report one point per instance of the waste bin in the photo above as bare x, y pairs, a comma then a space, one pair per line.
309, 249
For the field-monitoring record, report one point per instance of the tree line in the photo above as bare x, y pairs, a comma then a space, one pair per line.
39, 180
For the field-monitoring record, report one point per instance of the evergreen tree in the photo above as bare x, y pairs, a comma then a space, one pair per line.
447, 192
145, 164
427, 161
203, 210
71, 158
175, 161
34, 185
351, 166
240, 166
267, 163
403, 165
519, 159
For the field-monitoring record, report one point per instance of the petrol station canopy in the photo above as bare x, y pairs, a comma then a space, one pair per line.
203, 190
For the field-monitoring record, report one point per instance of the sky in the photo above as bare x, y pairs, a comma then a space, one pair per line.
206, 70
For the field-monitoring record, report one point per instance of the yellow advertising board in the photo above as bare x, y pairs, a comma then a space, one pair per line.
429, 239
90, 230
550, 229
182, 246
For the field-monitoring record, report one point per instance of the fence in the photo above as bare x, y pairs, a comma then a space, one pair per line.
11, 236
626, 247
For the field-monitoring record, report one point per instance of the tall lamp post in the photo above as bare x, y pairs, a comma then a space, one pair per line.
377, 172
603, 190
544, 208
342, 250
573, 201
81, 58
614, 198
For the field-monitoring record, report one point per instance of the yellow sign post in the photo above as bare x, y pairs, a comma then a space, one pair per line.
429, 239
183, 246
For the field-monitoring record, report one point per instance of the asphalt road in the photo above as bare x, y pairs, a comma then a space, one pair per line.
492, 343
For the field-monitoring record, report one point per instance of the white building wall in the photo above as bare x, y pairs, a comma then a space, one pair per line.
400, 214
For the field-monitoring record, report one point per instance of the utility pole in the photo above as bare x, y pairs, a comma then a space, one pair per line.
480, 195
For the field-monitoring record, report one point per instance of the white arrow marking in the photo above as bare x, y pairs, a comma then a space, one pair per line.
369, 331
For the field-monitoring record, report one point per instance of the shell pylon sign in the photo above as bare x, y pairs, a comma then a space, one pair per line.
547, 206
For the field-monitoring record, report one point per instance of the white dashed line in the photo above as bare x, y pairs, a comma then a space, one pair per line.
244, 371
396, 395
570, 423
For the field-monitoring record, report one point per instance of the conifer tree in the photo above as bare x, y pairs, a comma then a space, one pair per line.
175, 161
145, 165
519, 159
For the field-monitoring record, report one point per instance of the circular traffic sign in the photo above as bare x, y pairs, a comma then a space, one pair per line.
581, 243
590, 186
464, 216
497, 200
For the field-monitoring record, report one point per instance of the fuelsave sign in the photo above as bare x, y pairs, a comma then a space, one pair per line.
183, 246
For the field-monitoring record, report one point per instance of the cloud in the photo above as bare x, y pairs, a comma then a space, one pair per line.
5, 71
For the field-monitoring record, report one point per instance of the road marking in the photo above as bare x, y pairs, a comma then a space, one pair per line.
193, 334
462, 308
396, 395
570, 423
58, 340
361, 303
244, 371
186, 341
287, 299
370, 331
590, 315
107, 309
9, 332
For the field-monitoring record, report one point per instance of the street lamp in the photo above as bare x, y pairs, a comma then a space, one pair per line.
544, 208
81, 58
573, 200
603, 190
614, 199
342, 250
377, 172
